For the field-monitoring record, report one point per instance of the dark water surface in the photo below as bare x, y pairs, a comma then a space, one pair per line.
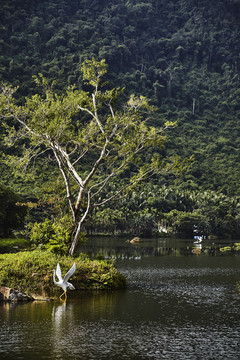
178, 305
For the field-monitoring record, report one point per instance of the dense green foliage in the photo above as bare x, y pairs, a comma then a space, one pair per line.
101, 150
169, 211
52, 235
12, 214
31, 272
184, 56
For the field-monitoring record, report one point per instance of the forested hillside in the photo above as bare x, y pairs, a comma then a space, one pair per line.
182, 55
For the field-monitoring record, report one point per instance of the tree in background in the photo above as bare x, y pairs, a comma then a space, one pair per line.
12, 214
101, 150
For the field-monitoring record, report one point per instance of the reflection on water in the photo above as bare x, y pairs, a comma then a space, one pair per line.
119, 248
178, 305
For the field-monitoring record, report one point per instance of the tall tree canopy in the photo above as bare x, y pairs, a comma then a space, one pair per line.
183, 55
100, 148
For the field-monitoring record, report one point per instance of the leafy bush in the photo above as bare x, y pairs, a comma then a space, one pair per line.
40, 233
54, 236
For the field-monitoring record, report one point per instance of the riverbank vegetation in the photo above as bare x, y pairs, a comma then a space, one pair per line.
170, 211
31, 272
183, 57
13, 244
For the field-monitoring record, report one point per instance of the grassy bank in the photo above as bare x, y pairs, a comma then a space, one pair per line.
13, 244
31, 273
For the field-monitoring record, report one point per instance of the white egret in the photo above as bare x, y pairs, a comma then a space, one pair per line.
199, 239
63, 283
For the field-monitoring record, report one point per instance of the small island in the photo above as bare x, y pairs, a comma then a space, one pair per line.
30, 273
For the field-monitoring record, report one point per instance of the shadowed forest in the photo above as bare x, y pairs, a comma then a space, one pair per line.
184, 56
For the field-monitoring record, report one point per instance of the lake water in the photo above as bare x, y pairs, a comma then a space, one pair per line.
181, 302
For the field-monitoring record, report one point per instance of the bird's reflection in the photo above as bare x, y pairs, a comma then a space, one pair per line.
58, 311
61, 320
198, 246
61, 314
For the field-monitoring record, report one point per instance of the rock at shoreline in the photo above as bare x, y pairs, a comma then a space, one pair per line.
9, 294
135, 240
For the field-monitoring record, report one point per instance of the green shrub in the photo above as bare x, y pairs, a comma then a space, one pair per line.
54, 236
40, 233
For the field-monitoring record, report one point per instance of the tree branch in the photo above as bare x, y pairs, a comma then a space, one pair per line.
67, 185
124, 188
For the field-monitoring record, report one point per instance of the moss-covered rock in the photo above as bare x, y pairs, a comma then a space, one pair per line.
31, 272
8, 294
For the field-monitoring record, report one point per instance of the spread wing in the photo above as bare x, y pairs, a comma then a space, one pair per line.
71, 287
69, 273
59, 274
